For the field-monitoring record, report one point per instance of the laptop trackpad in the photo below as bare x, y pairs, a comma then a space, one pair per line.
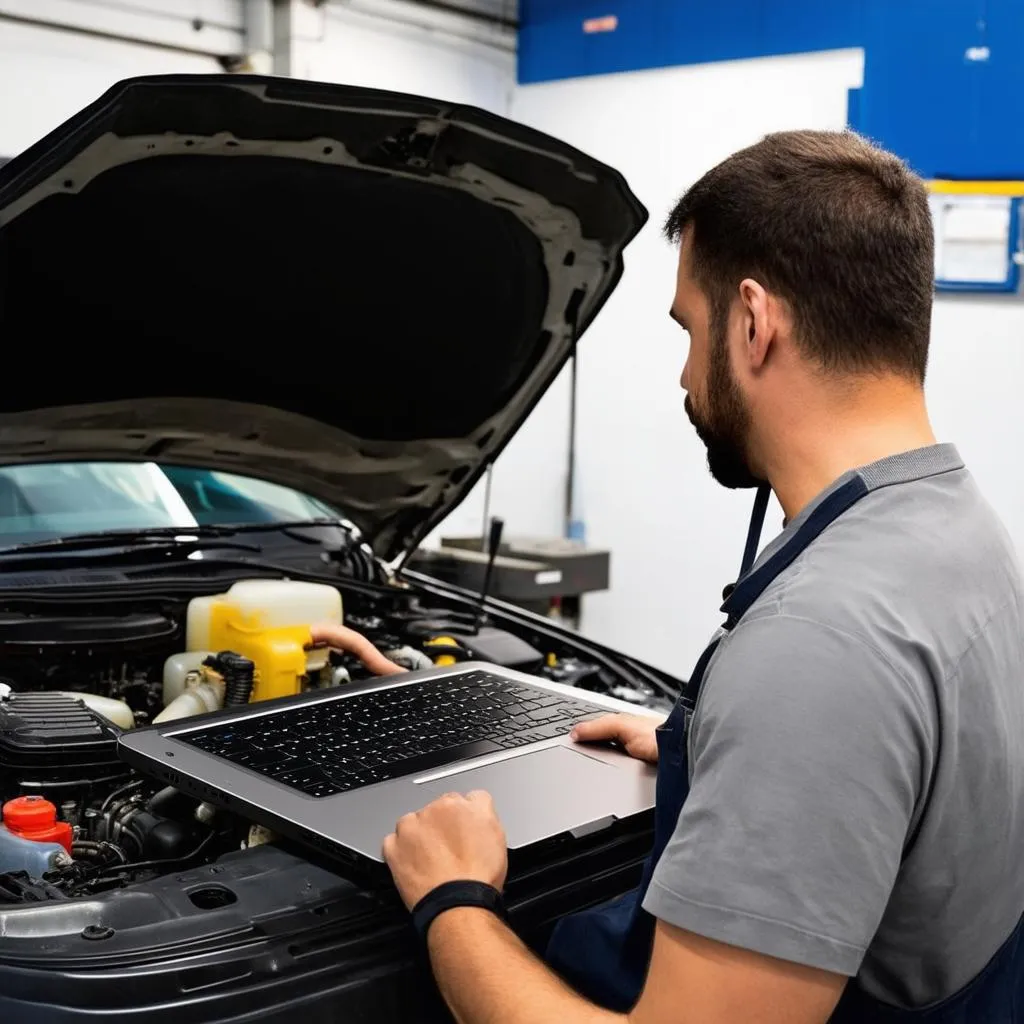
551, 791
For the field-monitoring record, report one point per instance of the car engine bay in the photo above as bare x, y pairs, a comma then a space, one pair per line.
79, 823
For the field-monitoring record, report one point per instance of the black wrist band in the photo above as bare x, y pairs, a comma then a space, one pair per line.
455, 894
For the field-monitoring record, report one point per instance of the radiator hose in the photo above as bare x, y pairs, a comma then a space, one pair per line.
238, 674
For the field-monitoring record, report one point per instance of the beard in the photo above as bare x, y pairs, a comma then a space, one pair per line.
724, 425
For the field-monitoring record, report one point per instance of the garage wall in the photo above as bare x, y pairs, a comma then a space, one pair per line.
676, 537
388, 44
47, 74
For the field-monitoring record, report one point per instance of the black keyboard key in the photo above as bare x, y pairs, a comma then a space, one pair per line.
585, 715
340, 767
303, 778
322, 789
438, 758
546, 702
553, 729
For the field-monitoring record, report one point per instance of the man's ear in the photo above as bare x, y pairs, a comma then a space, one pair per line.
758, 312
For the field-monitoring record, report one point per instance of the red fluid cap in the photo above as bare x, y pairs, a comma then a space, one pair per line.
35, 818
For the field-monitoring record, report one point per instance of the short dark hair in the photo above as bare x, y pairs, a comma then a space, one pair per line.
839, 229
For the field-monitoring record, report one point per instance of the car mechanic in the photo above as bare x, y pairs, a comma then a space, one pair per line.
840, 807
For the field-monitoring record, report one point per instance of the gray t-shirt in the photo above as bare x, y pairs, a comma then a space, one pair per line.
873, 693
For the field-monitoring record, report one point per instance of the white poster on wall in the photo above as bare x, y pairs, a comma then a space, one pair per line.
972, 238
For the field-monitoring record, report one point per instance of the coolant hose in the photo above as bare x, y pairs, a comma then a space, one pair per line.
196, 700
238, 674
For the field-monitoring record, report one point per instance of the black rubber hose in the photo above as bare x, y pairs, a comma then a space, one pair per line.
134, 784
238, 673
86, 848
172, 803
147, 865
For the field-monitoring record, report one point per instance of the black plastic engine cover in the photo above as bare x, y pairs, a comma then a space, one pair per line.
268, 937
55, 745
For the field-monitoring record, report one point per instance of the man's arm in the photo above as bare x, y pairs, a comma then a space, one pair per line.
488, 976
693, 980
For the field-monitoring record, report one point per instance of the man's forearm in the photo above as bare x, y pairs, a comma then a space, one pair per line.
487, 976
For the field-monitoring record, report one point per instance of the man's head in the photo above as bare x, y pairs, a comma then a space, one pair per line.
806, 255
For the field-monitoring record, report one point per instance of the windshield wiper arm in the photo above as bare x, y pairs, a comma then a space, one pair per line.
117, 545
161, 536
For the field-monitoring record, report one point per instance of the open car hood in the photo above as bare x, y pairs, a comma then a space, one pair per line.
357, 294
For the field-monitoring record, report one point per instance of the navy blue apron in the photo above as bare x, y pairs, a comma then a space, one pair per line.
604, 952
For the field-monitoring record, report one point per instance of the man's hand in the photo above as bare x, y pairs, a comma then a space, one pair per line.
456, 838
341, 638
635, 733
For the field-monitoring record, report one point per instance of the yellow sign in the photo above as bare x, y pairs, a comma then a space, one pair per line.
976, 188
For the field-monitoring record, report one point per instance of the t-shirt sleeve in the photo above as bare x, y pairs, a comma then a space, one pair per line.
810, 753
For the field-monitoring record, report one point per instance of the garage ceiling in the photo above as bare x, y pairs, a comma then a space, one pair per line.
504, 12
496, 8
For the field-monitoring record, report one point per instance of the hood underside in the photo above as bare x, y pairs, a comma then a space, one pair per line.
357, 294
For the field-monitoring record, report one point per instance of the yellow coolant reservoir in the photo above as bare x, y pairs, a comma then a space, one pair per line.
266, 621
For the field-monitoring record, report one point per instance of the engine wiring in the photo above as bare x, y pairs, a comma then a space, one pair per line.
162, 863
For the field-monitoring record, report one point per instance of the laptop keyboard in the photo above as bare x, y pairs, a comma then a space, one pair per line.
340, 745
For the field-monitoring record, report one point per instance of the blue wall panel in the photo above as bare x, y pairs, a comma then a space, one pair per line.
661, 33
919, 89
943, 79
944, 85
996, 134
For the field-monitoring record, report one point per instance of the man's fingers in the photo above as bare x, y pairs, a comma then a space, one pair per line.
608, 727
480, 796
389, 847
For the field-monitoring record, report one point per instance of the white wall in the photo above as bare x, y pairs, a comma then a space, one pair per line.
46, 75
676, 537
388, 44
974, 390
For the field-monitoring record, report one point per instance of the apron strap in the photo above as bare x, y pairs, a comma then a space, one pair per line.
692, 688
752, 586
753, 536
755, 528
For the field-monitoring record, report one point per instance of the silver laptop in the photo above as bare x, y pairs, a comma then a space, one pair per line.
336, 769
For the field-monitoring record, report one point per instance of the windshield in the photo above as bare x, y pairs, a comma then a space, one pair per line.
60, 499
